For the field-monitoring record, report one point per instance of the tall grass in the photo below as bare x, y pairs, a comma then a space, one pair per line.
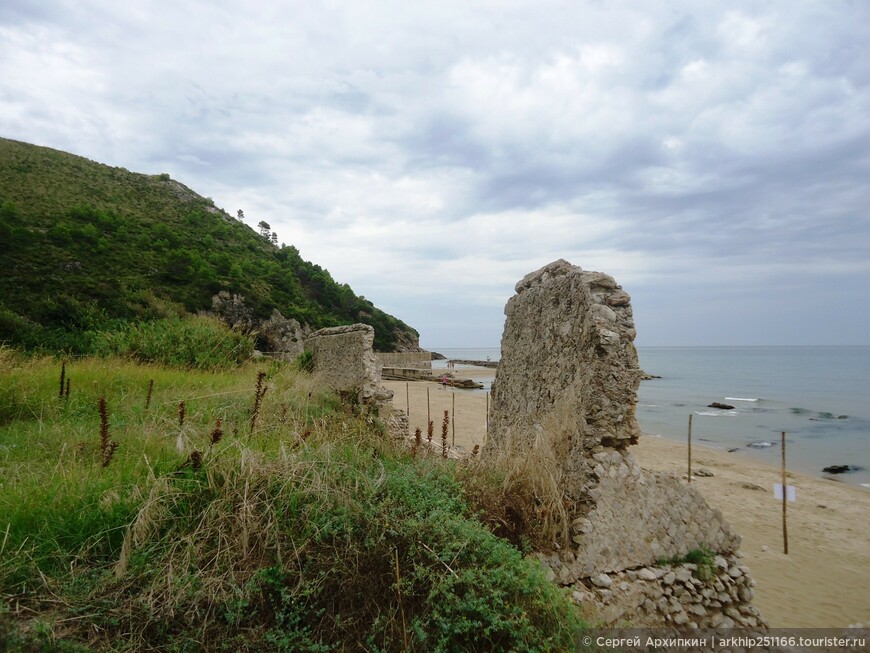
195, 342
322, 533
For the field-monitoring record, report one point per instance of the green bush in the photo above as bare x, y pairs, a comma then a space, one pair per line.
199, 342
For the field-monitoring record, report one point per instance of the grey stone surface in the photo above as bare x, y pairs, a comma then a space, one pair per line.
344, 360
568, 378
674, 597
282, 335
568, 365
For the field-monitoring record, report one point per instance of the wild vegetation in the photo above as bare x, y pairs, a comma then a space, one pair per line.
147, 507
89, 249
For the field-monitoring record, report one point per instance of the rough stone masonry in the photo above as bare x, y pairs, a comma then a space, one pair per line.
568, 377
345, 361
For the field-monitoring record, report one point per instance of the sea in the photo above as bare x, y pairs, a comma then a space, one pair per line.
818, 396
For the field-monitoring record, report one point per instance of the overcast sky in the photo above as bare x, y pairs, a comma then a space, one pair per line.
714, 157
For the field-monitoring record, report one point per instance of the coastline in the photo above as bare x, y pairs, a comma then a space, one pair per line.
823, 580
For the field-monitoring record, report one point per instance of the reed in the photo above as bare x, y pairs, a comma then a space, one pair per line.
259, 392
148, 396
62, 378
418, 439
181, 413
107, 446
445, 427
216, 433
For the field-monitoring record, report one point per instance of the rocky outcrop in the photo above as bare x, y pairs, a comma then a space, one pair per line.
476, 363
407, 341
282, 335
232, 310
567, 383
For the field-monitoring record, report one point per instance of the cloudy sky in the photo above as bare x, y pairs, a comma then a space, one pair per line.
714, 157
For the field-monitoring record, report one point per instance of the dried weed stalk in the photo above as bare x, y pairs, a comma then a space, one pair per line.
148, 396
259, 391
107, 446
445, 426
62, 379
216, 433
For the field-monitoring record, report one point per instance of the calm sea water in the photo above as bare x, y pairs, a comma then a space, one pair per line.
820, 396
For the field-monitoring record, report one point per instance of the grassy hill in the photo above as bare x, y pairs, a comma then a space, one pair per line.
89, 248
149, 508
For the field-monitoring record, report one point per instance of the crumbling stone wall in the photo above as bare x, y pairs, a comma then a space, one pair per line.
681, 595
344, 360
639, 517
568, 376
568, 358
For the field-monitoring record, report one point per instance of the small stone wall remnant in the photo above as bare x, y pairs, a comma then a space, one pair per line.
679, 595
344, 360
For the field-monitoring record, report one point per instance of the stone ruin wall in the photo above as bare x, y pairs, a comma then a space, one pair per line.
343, 358
569, 374
674, 596
568, 366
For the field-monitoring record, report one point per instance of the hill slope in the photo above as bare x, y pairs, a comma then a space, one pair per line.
85, 246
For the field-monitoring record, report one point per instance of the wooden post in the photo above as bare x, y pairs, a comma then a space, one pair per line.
690, 448
407, 400
486, 421
784, 500
428, 413
454, 419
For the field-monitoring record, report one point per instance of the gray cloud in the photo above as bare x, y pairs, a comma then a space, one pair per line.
712, 157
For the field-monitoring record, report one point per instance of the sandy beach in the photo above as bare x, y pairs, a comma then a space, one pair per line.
824, 581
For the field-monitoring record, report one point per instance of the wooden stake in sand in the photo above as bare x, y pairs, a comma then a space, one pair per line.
407, 400
784, 501
690, 448
453, 419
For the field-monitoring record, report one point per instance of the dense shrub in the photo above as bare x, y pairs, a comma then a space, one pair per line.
190, 342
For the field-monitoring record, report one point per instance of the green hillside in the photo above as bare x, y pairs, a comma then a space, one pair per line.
87, 247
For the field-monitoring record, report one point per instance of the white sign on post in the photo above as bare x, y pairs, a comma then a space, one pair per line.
790, 494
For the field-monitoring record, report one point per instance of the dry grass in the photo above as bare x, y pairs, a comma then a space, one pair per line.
531, 503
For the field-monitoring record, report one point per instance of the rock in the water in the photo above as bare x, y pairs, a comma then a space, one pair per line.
720, 405
837, 469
